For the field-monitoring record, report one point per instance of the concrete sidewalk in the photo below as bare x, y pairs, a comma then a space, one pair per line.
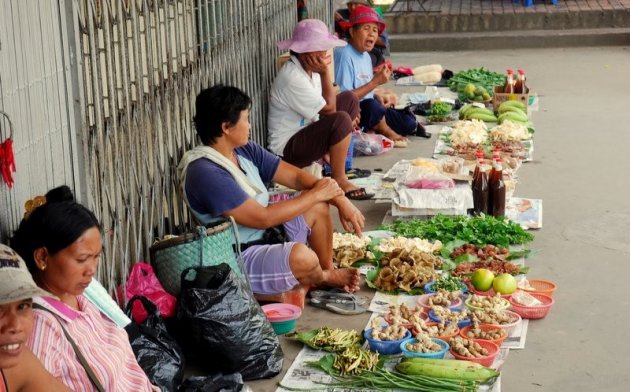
579, 170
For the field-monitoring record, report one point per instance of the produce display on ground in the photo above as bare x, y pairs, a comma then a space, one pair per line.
452, 296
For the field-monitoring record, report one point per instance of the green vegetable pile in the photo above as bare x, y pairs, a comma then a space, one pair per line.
439, 108
479, 230
477, 76
449, 283
329, 339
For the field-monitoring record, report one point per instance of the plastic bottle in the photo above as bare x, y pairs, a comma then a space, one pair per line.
509, 83
519, 85
496, 187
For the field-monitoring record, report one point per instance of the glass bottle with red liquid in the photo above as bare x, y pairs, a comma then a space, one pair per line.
508, 88
519, 85
496, 187
480, 188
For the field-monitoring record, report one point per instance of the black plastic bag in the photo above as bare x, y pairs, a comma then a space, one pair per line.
225, 325
213, 383
158, 354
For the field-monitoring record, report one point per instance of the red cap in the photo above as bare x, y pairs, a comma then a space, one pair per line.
509, 71
520, 71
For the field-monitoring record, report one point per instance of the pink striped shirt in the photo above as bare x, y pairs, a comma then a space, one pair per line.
105, 346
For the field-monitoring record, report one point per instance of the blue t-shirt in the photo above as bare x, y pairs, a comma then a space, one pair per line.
211, 190
352, 69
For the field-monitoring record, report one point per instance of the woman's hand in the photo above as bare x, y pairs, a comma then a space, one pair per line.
350, 217
326, 189
317, 62
382, 76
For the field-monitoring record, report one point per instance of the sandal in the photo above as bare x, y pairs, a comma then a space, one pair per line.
359, 194
337, 294
340, 306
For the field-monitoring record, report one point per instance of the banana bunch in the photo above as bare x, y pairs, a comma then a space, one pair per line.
446, 368
514, 111
471, 112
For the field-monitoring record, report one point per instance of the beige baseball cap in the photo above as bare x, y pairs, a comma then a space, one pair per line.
16, 283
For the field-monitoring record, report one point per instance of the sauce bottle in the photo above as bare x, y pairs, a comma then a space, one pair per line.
496, 187
479, 156
509, 83
519, 85
480, 189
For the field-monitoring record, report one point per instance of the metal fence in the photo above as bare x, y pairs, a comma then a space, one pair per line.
139, 65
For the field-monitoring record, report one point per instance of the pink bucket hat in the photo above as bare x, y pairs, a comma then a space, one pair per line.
363, 14
311, 35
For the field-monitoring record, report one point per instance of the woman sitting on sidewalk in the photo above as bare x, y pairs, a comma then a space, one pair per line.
353, 72
228, 177
20, 370
60, 241
307, 119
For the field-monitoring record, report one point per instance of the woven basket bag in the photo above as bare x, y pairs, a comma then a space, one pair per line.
206, 247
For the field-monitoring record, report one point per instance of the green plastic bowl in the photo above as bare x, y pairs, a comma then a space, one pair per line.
282, 327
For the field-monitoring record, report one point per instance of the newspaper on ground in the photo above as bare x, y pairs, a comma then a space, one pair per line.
526, 212
304, 377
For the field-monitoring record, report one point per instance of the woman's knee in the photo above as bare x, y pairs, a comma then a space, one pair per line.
348, 102
303, 262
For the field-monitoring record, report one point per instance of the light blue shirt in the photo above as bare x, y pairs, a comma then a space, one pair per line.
352, 69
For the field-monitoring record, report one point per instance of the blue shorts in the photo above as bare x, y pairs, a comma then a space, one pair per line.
267, 266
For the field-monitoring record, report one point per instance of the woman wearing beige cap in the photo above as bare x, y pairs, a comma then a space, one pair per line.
19, 368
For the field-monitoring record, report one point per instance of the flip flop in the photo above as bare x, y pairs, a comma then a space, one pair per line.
337, 294
340, 306
358, 173
359, 194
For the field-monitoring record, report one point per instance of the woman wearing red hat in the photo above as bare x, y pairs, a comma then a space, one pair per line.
353, 72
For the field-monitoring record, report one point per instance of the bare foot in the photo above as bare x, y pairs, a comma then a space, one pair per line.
346, 278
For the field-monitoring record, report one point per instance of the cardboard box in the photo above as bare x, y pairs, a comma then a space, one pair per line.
499, 97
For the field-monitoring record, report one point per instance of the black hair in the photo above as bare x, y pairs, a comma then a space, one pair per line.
54, 225
217, 105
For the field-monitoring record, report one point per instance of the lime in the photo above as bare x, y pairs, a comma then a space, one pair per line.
504, 284
482, 279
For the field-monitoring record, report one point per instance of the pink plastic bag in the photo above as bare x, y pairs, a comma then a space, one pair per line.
143, 281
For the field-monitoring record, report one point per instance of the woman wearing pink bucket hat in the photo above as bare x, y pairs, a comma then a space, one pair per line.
353, 72
307, 119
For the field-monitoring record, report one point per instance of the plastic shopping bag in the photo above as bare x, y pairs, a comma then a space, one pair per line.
143, 281
224, 324
158, 354
371, 144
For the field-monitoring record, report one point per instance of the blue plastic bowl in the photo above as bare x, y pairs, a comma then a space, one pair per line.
385, 347
282, 327
461, 324
428, 288
435, 355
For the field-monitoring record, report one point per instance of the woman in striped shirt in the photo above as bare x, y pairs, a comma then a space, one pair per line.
61, 244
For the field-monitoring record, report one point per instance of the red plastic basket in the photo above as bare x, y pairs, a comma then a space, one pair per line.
541, 287
533, 312
488, 360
